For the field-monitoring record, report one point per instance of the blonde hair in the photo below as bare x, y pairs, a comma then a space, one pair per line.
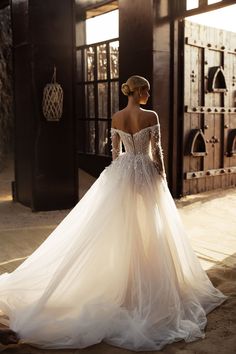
133, 83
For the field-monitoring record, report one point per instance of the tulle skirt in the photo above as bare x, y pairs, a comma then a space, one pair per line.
119, 268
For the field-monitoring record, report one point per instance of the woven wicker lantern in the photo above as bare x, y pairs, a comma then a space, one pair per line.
52, 104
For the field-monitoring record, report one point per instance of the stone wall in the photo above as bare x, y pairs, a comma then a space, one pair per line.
6, 87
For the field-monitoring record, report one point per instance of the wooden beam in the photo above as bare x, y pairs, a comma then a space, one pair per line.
180, 11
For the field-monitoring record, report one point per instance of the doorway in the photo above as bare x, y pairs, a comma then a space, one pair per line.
209, 101
97, 88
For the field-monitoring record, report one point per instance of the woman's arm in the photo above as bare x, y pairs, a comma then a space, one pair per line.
116, 144
156, 149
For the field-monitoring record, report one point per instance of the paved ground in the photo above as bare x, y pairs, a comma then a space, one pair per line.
211, 224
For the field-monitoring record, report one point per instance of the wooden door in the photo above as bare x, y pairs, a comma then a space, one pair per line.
209, 123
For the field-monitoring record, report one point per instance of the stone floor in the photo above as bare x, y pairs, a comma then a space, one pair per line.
210, 221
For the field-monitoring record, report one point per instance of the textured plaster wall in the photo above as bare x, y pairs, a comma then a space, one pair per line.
6, 87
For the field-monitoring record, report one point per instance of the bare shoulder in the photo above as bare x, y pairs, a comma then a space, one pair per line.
151, 117
116, 117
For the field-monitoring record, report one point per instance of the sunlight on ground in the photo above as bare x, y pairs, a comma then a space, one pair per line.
4, 197
211, 227
13, 260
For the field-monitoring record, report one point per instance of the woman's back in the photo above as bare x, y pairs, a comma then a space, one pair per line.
133, 119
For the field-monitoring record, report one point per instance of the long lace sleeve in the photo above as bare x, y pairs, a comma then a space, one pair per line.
156, 149
116, 144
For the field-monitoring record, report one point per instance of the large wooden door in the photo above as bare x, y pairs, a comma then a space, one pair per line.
209, 124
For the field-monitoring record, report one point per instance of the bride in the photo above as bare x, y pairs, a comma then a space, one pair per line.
119, 268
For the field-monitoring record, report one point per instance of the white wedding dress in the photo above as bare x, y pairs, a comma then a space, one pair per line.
119, 268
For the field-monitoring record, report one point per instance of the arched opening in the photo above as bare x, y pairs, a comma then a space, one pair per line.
231, 143
196, 144
217, 82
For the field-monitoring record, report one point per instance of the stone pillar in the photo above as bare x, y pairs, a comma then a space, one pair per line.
45, 152
6, 89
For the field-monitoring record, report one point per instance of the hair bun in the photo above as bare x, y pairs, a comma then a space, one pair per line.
134, 83
125, 89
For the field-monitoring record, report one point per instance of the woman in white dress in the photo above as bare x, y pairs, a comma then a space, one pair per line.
119, 268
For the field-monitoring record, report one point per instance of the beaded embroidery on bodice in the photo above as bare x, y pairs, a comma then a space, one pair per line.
137, 143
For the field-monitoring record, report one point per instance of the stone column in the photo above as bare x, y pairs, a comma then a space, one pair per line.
45, 151
6, 89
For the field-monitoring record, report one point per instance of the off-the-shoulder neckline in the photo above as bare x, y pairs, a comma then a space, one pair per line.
149, 127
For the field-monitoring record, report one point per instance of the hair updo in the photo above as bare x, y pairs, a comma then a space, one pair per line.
134, 83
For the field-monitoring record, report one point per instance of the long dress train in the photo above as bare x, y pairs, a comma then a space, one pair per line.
118, 268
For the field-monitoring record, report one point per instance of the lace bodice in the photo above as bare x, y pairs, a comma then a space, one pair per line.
139, 143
